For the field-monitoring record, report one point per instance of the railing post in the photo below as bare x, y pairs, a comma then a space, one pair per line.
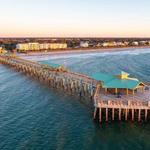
132, 114
95, 111
126, 114
113, 114
119, 113
106, 114
100, 115
145, 114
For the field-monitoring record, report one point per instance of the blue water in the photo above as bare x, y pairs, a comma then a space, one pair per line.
34, 116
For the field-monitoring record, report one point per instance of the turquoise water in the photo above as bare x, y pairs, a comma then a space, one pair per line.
34, 116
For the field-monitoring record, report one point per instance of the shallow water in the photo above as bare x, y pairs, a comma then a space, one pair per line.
34, 116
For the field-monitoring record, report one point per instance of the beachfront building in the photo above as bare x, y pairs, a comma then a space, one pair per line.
120, 44
84, 44
44, 46
99, 45
34, 46
22, 46
54, 46
135, 43
2, 50
119, 83
38, 46
28, 46
148, 42
143, 43
109, 44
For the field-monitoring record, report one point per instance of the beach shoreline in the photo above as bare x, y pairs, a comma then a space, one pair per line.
80, 50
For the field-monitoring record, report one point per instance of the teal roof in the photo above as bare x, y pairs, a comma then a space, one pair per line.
111, 81
50, 64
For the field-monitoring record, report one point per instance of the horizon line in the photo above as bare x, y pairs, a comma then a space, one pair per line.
90, 37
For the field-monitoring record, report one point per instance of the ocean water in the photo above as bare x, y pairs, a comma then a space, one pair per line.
34, 116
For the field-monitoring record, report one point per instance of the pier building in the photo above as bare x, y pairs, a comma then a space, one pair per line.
119, 83
37, 46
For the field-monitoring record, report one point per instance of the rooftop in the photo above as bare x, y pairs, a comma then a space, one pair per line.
119, 80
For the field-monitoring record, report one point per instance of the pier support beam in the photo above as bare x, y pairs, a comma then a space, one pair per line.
100, 115
127, 91
105, 90
119, 114
145, 114
133, 92
126, 114
106, 114
116, 90
113, 113
139, 115
95, 111
132, 114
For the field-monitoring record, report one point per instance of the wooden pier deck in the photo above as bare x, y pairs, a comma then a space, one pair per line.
66, 80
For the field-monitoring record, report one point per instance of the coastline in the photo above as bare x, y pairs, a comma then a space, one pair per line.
81, 50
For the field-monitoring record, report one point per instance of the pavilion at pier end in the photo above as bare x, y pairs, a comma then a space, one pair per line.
122, 95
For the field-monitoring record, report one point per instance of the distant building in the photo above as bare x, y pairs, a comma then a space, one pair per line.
84, 44
44, 46
37, 46
120, 44
109, 44
99, 45
126, 43
142, 43
2, 50
27, 46
34, 46
135, 43
57, 45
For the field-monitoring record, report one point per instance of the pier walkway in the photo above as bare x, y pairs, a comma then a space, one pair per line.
57, 78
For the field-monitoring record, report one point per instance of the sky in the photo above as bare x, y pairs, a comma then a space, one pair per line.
75, 18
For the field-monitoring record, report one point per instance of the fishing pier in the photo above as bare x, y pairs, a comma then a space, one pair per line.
116, 97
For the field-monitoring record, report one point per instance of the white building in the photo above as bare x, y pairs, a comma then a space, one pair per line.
109, 44
44, 46
34, 46
22, 46
120, 44
84, 44
135, 43
37, 46
57, 46
142, 42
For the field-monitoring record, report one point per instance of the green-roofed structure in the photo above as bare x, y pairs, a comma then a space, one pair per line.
120, 82
53, 65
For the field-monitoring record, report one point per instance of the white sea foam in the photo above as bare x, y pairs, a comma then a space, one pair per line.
87, 54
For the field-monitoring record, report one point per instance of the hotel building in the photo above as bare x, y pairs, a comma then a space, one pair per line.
38, 46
